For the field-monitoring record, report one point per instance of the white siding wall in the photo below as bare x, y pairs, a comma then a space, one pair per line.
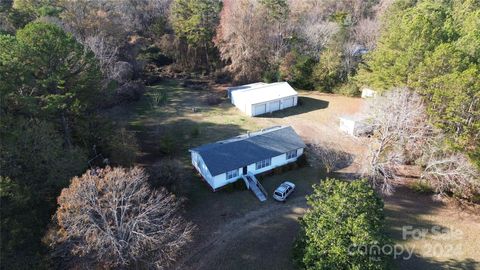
198, 163
272, 105
220, 180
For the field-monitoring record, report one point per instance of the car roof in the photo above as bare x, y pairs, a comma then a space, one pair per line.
283, 186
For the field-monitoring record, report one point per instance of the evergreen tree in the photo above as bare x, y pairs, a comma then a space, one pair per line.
433, 47
343, 222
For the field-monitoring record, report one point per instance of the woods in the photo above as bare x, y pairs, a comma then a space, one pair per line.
67, 66
438, 58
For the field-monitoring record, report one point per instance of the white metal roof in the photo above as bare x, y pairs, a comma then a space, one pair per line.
262, 92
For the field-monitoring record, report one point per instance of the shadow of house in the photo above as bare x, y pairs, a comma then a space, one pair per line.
304, 105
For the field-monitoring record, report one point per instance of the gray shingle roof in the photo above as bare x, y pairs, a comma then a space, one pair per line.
243, 150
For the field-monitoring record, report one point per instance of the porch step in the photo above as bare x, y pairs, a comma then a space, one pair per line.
255, 187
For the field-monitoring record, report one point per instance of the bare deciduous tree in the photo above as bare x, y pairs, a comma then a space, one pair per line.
105, 52
248, 40
447, 171
330, 157
366, 32
112, 217
317, 34
399, 122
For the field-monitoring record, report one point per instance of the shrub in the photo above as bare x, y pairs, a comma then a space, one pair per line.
158, 97
343, 217
421, 186
222, 76
239, 184
123, 148
350, 89
168, 173
195, 132
167, 144
213, 99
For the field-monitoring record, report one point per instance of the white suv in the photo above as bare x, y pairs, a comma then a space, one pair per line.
283, 191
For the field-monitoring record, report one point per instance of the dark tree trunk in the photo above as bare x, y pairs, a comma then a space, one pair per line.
66, 131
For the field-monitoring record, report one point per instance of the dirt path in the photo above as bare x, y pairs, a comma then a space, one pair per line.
229, 235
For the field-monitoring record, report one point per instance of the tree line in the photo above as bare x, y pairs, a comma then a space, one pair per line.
62, 63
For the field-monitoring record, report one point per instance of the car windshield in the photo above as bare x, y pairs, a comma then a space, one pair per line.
278, 194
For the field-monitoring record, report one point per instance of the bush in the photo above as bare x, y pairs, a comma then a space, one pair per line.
122, 148
167, 144
130, 91
195, 132
222, 76
344, 219
168, 173
239, 185
349, 89
213, 100
421, 186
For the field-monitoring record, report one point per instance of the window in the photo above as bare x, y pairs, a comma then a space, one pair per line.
231, 174
292, 154
264, 163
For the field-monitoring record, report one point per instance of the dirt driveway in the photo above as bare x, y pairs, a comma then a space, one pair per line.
238, 232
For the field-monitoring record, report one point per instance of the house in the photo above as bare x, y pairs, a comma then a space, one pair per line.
260, 98
368, 93
227, 161
355, 125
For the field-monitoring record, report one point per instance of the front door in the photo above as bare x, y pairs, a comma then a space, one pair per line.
245, 170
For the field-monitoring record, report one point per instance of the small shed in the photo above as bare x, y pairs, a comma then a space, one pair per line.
355, 125
368, 93
260, 98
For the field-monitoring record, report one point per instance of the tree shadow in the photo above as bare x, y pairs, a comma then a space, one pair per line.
406, 208
406, 214
173, 139
304, 105
417, 262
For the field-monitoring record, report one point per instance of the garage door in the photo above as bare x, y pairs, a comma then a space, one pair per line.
260, 109
274, 106
288, 102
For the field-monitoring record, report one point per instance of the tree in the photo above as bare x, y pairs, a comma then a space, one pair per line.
327, 72
195, 21
111, 218
344, 219
330, 157
34, 167
433, 48
297, 70
448, 172
49, 124
400, 127
53, 76
250, 38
